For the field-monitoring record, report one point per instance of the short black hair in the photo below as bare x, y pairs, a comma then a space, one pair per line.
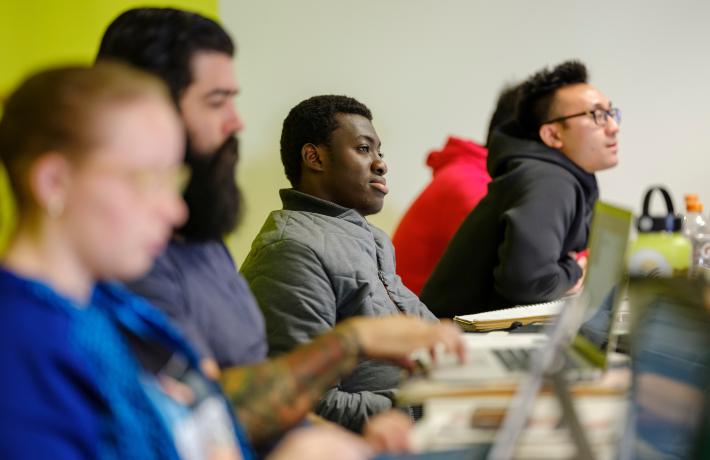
162, 41
312, 122
505, 109
538, 91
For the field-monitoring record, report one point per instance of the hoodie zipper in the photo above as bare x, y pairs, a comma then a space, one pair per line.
384, 283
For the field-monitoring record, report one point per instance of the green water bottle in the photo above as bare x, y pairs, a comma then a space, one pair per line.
660, 249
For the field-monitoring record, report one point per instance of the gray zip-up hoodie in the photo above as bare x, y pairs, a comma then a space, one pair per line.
315, 263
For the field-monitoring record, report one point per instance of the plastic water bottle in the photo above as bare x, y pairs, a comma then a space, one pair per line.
701, 255
693, 215
697, 229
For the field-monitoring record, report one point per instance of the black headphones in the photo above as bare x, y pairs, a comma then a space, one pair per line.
669, 223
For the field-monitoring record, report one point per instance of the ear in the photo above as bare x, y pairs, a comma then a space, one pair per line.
48, 182
312, 157
550, 135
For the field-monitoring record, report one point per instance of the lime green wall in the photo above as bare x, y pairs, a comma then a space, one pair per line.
41, 33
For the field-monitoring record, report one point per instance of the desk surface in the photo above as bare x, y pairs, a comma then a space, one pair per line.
451, 423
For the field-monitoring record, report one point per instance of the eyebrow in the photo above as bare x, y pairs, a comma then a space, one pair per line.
599, 105
369, 139
221, 92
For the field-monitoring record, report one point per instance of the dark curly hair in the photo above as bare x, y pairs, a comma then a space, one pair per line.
538, 91
311, 122
505, 109
162, 41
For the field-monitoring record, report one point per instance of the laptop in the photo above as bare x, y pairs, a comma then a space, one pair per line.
669, 413
669, 410
503, 356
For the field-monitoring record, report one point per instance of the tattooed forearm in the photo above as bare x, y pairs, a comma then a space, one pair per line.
273, 396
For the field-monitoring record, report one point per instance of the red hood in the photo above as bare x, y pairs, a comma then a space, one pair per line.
457, 150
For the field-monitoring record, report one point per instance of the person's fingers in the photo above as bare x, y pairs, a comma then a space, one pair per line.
399, 441
355, 447
576, 288
460, 348
378, 441
395, 337
210, 368
322, 442
402, 428
451, 339
389, 431
396, 440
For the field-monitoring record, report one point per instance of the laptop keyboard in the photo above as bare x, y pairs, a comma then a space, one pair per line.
519, 360
515, 359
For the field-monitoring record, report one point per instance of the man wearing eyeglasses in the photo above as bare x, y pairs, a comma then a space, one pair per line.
525, 241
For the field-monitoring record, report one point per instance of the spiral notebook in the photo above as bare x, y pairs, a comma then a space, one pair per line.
520, 315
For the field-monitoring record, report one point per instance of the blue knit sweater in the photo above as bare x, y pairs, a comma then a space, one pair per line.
70, 386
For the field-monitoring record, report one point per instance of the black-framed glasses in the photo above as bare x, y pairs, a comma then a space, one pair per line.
600, 116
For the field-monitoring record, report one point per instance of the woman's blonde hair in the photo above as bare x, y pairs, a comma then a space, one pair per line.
60, 110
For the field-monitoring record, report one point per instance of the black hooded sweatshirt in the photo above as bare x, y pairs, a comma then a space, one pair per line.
513, 247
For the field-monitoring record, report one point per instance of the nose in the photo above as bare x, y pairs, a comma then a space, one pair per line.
172, 209
379, 166
612, 126
233, 121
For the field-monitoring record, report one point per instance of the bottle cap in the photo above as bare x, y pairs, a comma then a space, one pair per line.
694, 206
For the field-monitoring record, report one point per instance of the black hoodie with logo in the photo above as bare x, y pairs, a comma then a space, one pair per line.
513, 247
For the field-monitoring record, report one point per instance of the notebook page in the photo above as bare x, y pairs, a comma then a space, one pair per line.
522, 311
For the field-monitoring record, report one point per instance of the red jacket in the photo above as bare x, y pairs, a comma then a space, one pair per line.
460, 180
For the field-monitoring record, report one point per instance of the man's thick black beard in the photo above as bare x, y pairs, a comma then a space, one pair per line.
212, 196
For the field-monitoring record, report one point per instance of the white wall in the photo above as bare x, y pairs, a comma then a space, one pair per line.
430, 68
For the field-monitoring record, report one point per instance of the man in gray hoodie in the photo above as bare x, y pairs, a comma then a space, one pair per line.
318, 261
